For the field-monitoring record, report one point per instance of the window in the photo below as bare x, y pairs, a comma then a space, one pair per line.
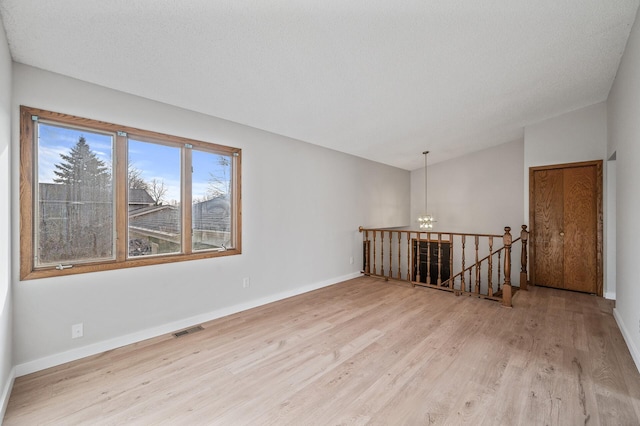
155, 221
74, 211
98, 196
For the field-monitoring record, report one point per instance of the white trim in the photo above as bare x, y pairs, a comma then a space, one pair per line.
106, 345
6, 393
610, 295
635, 353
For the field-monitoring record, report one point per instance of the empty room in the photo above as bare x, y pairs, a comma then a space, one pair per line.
319, 213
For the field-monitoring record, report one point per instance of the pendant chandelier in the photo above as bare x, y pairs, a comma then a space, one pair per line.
425, 221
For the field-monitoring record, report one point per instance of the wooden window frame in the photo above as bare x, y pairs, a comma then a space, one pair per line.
28, 270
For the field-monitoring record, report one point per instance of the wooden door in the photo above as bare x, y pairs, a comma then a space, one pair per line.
566, 224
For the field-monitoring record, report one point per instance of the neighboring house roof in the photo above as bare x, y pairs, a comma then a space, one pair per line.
163, 218
147, 210
140, 196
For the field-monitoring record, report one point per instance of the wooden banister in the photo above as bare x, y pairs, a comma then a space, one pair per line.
486, 258
430, 254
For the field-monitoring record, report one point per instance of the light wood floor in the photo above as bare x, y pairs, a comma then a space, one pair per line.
361, 352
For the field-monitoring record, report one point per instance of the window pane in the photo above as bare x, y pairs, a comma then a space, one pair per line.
75, 217
154, 199
211, 211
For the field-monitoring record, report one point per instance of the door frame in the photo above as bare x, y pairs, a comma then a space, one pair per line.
599, 216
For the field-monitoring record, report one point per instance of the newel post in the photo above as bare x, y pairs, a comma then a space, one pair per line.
506, 287
365, 243
524, 237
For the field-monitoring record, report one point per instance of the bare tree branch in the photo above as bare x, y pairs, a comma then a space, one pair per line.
219, 183
157, 190
135, 178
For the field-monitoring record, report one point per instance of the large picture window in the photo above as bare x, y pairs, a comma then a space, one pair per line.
97, 196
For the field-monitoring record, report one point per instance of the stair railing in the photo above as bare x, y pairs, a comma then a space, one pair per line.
440, 260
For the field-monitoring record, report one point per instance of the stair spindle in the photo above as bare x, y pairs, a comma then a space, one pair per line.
374, 253
428, 268
506, 288
399, 259
499, 266
390, 254
418, 260
477, 287
451, 260
409, 257
382, 253
524, 237
490, 272
439, 280
462, 285
367, 266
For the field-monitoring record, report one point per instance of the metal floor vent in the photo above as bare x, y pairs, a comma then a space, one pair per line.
188, 331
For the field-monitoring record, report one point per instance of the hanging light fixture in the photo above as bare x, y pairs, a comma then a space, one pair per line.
425, 221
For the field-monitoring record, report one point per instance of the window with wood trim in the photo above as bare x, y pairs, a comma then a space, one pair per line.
97, 196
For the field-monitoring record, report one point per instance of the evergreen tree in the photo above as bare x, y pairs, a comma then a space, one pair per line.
87, 229
82, 167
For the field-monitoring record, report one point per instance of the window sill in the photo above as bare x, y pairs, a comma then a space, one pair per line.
129, 263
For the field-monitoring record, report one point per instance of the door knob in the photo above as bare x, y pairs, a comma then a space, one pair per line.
562, 234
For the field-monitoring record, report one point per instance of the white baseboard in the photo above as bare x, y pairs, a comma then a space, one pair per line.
106, 345
635, 354
6, 392
610, 295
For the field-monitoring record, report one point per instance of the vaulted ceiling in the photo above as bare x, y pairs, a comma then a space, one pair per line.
380, 79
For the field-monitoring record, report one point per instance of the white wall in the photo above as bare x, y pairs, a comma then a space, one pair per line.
302, 206
610, 241
579, 135
624, 140
6, 345
476, 193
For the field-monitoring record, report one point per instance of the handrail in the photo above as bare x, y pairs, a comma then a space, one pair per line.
479, 261
361, 229
429, 259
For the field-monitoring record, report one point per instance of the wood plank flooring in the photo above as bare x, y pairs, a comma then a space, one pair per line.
360, 352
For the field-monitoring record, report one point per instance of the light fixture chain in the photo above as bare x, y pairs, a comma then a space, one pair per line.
426, 190
426, 221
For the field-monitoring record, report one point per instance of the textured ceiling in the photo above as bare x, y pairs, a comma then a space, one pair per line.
380, 79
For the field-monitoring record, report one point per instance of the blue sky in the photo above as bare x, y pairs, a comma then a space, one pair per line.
159, 162
54, 140
155, 161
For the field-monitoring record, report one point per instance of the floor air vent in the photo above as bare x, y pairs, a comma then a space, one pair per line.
188, 331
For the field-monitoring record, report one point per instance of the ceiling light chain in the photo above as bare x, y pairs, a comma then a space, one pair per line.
425, 221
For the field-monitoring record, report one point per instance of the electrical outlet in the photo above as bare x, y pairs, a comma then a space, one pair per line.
351, 260
77, 331
246, 282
